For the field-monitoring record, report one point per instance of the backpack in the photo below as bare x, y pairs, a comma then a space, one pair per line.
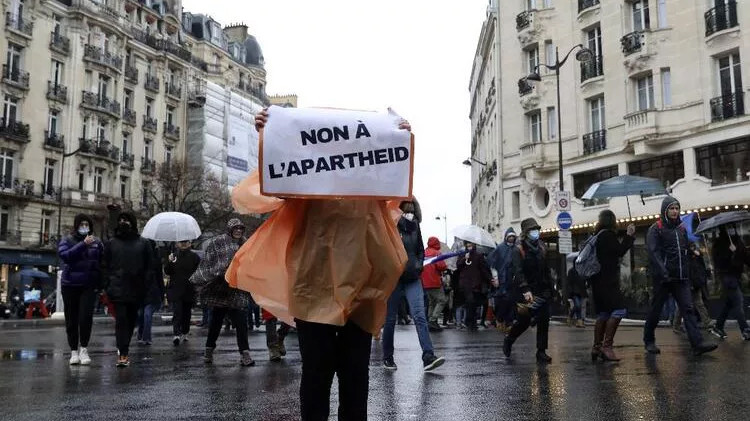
587, 263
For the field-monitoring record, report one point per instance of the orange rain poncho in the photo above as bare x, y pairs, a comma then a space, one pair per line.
323, 261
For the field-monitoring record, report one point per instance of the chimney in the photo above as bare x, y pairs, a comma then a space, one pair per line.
236, 33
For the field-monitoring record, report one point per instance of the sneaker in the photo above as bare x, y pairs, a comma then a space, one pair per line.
746, 335
434, 327
246, 360
148, 343
542, 357
507, 346
83, 355
282, 349
719, 333
651, 348
141, 342
176, 341
208, 356
389, 364
123, 361
704, 347
184, 338
74, 358
274, 354
432, 362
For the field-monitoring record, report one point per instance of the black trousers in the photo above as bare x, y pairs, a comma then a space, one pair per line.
523, 321
327, 350
472, 300
126, 318
239, 321
79, 314
181, 312
680, 290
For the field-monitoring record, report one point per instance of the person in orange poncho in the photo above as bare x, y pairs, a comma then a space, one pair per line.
327, 266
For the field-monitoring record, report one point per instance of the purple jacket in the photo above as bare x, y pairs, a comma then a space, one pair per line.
81, 263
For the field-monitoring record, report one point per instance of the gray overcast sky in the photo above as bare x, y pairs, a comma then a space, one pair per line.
412, 55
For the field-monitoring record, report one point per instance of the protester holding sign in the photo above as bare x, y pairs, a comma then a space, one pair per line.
327, 266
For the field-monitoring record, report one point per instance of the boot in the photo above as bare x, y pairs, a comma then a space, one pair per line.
508, 345
599, 328
272, 337
282, 332
608, 353
580, 324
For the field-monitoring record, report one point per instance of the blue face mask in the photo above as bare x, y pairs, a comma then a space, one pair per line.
534, 235
83, 231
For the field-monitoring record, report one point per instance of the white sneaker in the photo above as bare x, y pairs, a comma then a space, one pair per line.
184, 338
83, 355
176, 340
74, 359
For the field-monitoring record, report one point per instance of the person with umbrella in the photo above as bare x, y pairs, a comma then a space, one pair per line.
180, 266
474, 277
81, 255
730, 256
668, 248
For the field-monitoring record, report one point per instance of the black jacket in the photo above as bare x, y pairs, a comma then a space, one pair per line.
729, 265
605, 285
127, 265
667, 244
474, 275
530, 271
180, 288
411, 236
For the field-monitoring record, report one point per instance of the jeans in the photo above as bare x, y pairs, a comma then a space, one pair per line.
460, 315
733, 305
617, 314
523, 320
327, 350
239, 320
79, 315
700, 307
145, 321
577, 309
412, 290
181, 312
126, 317
681, 293
436, 302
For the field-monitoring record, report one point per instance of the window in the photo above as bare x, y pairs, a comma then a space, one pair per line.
57, 25
730, 75
147, 149
535, 126
99, 180
661, 6
167, 154
551, 123
4, 222
547, 3
101, 131
128, 99
549, 53
645, 92
594, 39
667, 168
103, 87
10, 109
170, 115
124, 187
81, 177
85, 128
666, 87
596, 114
582, 182
531, 4
57, 72
126, 142
45, 226
145, 193
532, 59
13, 58
6, 168
726, 162
515, 203
641, 19
149, 67
149, 107
49, 176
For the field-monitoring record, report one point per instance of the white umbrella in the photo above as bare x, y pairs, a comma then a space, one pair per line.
171, 226
474, 234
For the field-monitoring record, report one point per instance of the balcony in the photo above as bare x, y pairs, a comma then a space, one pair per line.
101, 103
524, 87
128, 160
171, 131
174, 90
16, 187
541, 156
593, 68
99, 148
148, 166
54, 141
128, 117
632, 43
721, 17
57, 92
727, 106
523, 20
151, 83
15, 77
17, 23
14, 131
12, 238
59, 43
95, 54
150, 124
131, 74
176, 50
586, 4
48, 192
258, 93
594, 142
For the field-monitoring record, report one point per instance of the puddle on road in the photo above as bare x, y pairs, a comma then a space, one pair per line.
26, 354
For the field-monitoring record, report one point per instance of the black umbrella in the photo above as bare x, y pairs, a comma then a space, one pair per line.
724, 218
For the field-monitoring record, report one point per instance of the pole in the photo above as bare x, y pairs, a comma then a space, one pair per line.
445, 222
559, 123
59, 306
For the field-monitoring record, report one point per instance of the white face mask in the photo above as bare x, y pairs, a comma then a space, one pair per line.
409, 216
534, 234
83, 231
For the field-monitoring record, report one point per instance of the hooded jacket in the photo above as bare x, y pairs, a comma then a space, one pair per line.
668, 247
728, 264
500, 260
81, 263
411, 236
209, 277
128, 264
432, 273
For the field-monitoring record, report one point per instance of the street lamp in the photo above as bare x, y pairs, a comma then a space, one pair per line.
468, 162
444, 218
59, 309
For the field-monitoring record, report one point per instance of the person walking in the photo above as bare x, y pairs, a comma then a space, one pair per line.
217, 294
609, 301
667, 244
698, 287
275, 337
432, 282
577, 296
180, 266
154, 299
532, 285
730, 257
474, 282
410, 287
500, 261
128, 265
81, 255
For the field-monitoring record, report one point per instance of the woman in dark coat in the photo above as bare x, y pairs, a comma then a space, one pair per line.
474, 282
608, 299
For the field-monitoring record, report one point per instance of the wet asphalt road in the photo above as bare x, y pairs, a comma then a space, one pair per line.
477, 382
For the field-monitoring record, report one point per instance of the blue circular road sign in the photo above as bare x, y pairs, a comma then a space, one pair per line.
564, 220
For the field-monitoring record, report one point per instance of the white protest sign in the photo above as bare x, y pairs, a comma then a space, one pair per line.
327, 153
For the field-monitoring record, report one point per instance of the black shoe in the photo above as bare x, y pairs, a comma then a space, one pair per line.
507, 345
432, 362
542, 357
434, 327
389, 364
653, 349
704, 347
746, 335
719, 333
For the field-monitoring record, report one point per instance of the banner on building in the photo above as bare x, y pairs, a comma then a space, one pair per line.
326, 153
